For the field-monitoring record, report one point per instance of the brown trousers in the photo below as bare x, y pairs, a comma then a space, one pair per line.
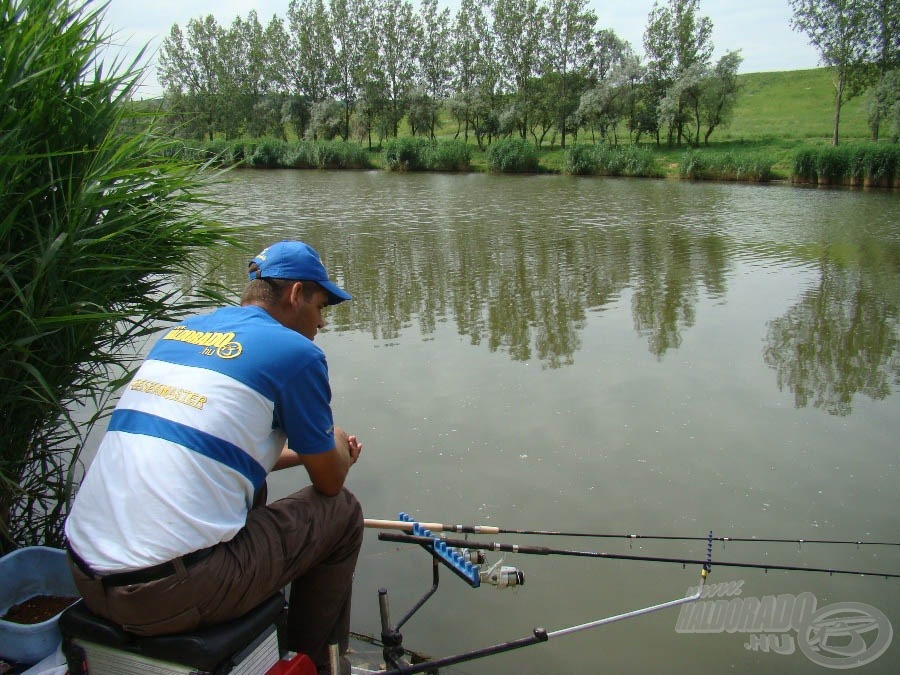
307, 540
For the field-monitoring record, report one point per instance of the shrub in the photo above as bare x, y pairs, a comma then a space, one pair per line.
629, 160
877, 163
581, 160
639, 161
406, 154
692, 166
832, 163
513, 155
452, 155
880, 163
742, 166
856, 161
339, 155
419, 154
804, 170
269, 154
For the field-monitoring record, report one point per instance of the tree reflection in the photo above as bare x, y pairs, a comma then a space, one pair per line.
527, 291
664, 288
524, 285
838, 341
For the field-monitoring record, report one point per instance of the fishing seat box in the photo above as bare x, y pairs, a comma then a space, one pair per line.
247, 645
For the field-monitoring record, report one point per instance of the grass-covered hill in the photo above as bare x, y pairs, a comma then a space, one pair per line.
793, 105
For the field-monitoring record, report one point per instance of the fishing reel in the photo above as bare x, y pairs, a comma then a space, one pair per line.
471, 555
502, 576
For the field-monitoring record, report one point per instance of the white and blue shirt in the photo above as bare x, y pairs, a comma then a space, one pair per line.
193, 436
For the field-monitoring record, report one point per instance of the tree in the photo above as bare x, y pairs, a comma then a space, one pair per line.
597, 108
465, 54
609, 51
519, 29
719, 94
349, 35
680, 107
326, 120
840, 31
676, 39
488, 98
630, 75
883, 105
312, 54
189, 66
369, 76
568, 51
705, 97
275, 62
886, 20
399, 42
421, 112
243, 73
434, 58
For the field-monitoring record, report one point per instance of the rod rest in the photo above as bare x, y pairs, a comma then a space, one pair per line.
205, 648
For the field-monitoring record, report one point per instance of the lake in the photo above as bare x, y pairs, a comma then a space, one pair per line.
646, 356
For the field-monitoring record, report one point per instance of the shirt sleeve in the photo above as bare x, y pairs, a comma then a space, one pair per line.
304, 408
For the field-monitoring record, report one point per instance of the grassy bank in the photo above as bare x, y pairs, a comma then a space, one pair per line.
780, 118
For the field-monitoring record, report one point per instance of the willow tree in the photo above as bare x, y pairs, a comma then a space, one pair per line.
840, 31
101, 233
677, 41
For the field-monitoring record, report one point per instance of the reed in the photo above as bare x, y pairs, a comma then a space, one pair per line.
99, 240
728, 166
866, 164
408, 153
601, 160
512, 155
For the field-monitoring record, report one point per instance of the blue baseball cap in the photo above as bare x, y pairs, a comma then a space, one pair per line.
296, 261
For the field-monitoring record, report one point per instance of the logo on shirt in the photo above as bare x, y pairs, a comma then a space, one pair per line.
222, 345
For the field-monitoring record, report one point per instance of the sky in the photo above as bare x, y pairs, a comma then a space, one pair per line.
760, 29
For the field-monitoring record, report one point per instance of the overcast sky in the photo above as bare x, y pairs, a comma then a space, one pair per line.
759, 28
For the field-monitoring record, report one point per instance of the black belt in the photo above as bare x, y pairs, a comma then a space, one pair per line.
160, 571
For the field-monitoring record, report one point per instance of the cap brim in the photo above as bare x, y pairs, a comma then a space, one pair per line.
335, 294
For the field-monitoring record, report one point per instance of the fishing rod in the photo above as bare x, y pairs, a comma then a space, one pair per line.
452, 558
490, 529
543, 550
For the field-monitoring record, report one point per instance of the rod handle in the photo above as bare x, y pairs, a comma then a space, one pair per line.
379, 524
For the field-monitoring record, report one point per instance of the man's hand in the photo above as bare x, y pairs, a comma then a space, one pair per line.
328, 470
354, 447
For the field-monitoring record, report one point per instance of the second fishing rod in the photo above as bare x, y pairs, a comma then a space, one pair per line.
544, 550
405, 526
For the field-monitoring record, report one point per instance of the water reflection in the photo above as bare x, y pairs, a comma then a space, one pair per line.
838, 341
519, 264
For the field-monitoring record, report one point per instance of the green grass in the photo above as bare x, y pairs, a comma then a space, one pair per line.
777, 115
795, 105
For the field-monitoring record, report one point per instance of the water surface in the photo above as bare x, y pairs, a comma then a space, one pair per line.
657, 357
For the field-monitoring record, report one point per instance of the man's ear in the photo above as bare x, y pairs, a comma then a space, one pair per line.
295, 293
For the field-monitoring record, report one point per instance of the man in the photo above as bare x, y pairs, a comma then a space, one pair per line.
163, 536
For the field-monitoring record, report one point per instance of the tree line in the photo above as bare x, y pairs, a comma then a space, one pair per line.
537, 69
